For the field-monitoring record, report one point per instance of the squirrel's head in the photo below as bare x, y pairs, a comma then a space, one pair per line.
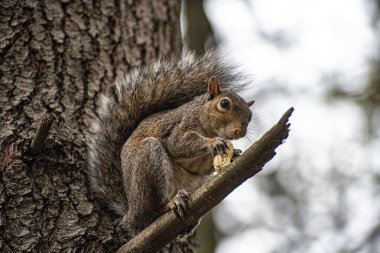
228, 113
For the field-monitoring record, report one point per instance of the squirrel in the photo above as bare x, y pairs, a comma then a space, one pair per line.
155, 137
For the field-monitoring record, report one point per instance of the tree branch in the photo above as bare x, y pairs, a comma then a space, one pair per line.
41, 133
168, 226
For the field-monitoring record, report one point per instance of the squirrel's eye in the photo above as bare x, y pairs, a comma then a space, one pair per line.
224, 103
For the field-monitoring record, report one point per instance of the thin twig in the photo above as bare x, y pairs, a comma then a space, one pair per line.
168, 226
41, 133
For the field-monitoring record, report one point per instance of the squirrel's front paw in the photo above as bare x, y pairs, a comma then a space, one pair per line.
219, 146
180, 203
236, 154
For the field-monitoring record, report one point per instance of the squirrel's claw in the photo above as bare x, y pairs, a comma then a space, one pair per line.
180, 203
236, 154
219, 147
189, 230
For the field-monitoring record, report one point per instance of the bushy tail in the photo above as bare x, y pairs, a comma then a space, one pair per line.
144, 91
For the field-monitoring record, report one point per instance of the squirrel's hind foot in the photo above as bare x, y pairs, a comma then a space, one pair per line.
180, 203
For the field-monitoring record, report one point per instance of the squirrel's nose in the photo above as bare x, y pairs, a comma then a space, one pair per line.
238, 132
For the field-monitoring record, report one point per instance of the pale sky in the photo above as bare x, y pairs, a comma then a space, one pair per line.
319, 39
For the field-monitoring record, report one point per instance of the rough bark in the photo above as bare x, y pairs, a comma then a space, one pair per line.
57, 57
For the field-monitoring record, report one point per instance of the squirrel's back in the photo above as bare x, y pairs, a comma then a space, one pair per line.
162, 86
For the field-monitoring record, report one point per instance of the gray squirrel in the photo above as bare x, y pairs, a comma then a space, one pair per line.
155, 138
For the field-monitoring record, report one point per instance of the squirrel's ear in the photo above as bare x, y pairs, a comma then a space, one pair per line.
249, 103
213, 87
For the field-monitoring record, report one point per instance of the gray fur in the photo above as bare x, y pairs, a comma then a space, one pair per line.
164, 85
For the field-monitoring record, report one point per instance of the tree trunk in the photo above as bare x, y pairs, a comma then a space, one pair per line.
57, 57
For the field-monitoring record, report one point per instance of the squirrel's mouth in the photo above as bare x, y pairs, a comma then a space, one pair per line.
232, 131
229, 137
233, 135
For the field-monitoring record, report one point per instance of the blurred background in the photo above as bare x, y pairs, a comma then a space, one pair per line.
321, 193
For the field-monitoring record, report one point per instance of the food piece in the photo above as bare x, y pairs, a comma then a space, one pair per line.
223, 160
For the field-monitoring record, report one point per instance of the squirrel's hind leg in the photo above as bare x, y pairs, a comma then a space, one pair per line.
147, 171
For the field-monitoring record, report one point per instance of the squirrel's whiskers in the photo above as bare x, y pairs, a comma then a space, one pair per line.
156, 136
